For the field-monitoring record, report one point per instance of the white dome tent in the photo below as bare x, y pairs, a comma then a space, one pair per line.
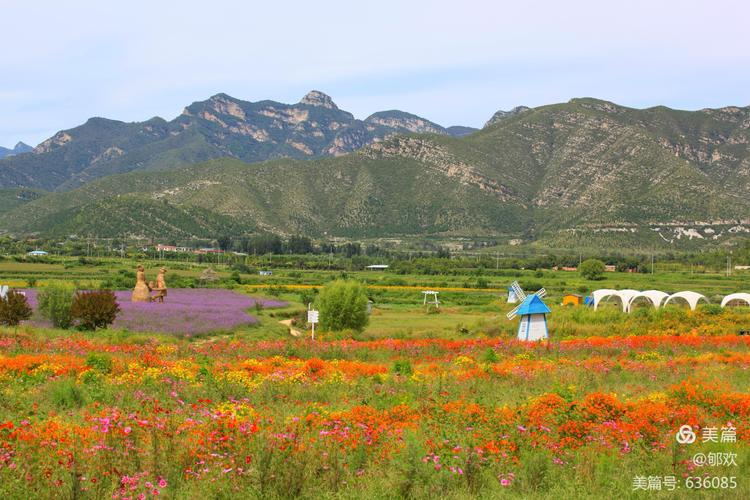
692, 298
599, 295
736, 299
623, 295
626, 296
656, 297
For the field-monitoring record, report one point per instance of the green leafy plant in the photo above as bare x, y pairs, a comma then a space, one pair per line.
14, 308
94, 309
99, 362
343, 304
55, 301
402, 367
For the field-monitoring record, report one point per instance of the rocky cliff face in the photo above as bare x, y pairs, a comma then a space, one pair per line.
502, 115
318, 98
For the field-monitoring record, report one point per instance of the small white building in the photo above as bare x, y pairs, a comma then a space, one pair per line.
533, 325
377, 267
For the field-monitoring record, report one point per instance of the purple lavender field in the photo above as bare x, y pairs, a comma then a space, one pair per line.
185, 311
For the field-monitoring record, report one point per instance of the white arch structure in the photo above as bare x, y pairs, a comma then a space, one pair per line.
659, 299
736, 297
656, 297
599, 295
625, 297
691, 298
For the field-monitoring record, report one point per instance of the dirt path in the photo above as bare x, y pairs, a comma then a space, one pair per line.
294, 331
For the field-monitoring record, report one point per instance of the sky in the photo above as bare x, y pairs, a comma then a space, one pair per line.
453, 62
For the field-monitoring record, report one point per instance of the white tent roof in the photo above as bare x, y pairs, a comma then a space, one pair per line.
691, 298
598, 295
655, 296
624, 296
740, 297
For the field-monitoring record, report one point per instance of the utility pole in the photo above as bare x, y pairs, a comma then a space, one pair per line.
497, 260
652, 263
729, 263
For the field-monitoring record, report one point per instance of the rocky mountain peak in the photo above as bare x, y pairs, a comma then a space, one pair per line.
318, 98
502, 115
17, 149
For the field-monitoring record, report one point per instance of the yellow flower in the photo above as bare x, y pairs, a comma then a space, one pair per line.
463, 360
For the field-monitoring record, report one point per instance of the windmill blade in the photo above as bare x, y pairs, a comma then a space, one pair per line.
512, 313
541, 293
518, 290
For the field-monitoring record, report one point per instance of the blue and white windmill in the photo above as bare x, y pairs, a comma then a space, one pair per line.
512, 299
533, 312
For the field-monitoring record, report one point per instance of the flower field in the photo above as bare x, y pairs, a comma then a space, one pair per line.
86, 417
186, 311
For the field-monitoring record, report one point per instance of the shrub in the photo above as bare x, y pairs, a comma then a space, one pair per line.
712, 309
402, 367
14, 308
94, 309
308, 296
490, 356
99, 362
55, 301
31, 282
343, 304
592, 269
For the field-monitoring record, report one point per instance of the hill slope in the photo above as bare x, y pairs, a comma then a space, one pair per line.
565, 173
221, 126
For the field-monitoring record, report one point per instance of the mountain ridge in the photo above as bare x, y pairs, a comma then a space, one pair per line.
585, 170
19, 148
220, 126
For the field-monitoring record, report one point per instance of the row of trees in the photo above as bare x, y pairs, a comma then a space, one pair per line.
428, 255
63, 306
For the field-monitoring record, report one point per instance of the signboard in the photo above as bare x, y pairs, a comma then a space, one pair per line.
312, 316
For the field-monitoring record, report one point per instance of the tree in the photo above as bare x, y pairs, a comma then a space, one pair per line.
95, 309
224, 241
299, 245
14, 308
592, 269
342, 305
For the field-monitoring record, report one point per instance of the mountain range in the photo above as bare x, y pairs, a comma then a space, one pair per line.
584, 172
218, 127
19, 148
